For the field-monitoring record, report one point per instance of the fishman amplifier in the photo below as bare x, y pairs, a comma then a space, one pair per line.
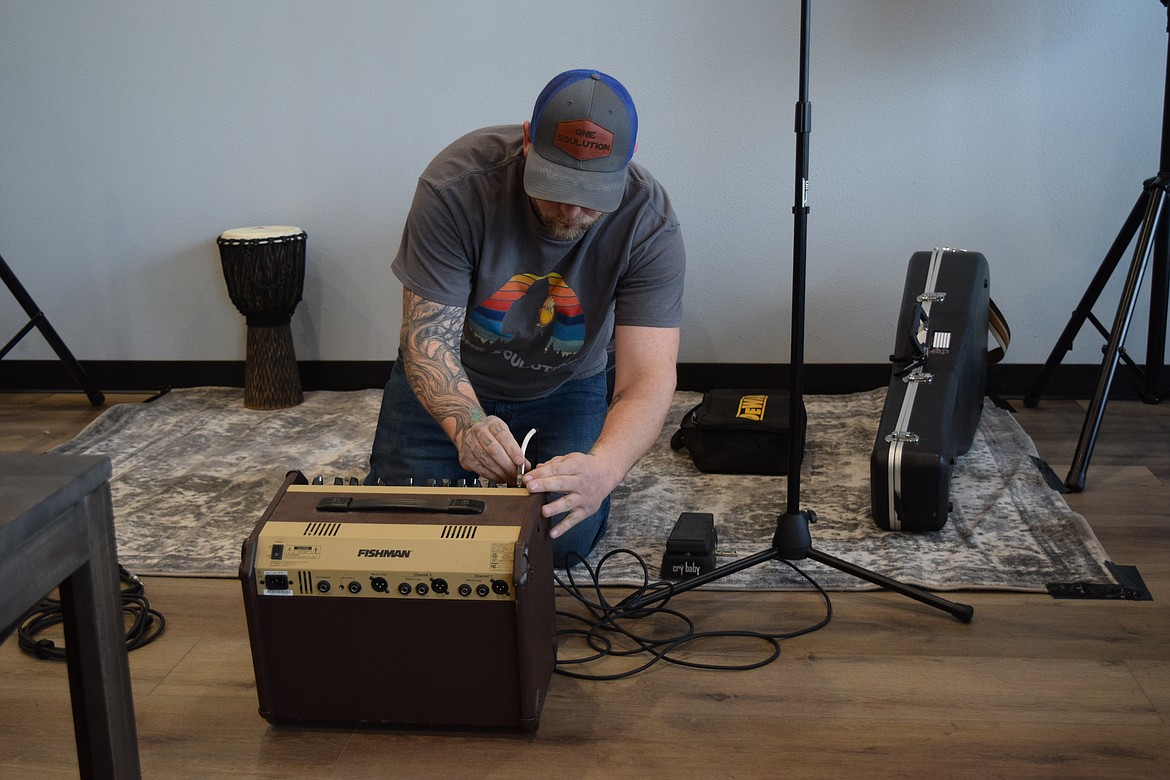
401, 606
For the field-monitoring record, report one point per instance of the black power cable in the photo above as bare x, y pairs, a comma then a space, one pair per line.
606, 621
145, 624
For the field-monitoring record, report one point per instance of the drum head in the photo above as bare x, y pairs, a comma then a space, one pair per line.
263, 233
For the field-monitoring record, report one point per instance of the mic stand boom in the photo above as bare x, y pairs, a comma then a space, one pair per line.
793, 540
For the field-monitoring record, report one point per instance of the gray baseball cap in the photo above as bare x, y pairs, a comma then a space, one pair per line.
584, 130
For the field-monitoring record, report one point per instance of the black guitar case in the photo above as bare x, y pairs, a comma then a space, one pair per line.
936, 390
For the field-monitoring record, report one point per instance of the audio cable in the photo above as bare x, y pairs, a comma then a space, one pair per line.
145, 624
606, 625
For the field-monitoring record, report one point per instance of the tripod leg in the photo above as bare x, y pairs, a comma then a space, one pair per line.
963, 612
96, 398
1159, 298
1085, 308
1141, 258
1160, 276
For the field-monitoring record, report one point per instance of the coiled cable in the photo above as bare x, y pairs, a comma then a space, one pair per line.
145, 624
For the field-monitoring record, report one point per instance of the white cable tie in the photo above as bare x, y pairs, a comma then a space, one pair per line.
524, 451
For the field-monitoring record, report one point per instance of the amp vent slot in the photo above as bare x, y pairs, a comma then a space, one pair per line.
322, 529
306, 581
459, 531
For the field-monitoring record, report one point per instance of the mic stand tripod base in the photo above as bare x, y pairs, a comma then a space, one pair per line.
793, 542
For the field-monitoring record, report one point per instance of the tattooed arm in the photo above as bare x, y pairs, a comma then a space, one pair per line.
430, 339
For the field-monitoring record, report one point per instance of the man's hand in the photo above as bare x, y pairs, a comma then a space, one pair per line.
585, 480
489, 449
643, 388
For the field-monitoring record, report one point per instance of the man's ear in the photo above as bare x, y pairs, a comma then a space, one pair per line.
527, 137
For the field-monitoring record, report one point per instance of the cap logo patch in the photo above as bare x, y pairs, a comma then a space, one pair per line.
583, 139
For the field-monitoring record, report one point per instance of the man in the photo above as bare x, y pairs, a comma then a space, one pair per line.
526, 250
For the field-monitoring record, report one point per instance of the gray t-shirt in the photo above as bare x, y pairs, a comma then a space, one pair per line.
540, 311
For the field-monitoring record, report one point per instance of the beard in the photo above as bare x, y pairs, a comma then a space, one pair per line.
562, 227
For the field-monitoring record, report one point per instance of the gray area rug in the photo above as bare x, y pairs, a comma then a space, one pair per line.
194, 470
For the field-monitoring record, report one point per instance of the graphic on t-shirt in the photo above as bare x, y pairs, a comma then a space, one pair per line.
559, 308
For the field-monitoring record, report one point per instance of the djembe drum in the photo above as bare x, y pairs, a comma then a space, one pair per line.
265, 272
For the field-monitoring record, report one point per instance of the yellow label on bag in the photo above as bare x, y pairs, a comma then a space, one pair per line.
751, 407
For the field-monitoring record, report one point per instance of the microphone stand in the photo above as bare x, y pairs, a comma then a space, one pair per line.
793, 540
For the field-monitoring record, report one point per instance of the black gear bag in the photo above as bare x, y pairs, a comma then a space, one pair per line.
739, 432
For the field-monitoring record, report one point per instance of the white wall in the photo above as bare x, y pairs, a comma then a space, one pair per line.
133, 133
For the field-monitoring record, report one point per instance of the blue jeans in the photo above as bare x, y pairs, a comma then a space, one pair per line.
409, 444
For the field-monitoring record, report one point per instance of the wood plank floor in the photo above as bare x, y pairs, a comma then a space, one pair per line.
1032, 687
